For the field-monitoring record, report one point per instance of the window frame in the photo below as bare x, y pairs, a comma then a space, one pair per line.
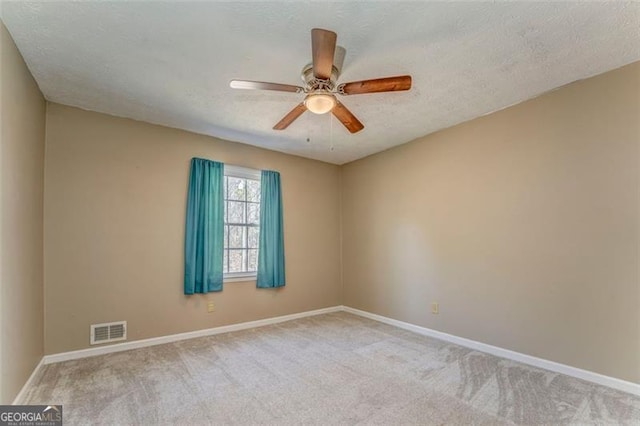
242, 173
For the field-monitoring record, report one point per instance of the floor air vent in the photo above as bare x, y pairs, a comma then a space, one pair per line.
108, 332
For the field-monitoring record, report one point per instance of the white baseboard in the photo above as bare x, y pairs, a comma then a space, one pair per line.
125, 346
20, 396
612, 382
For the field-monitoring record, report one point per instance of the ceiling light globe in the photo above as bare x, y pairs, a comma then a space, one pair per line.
320, 103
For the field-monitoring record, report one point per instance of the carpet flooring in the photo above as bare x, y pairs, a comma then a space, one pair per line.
336, 368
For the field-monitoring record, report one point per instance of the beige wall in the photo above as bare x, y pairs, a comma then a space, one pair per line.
22, 132
522, 224
114, 230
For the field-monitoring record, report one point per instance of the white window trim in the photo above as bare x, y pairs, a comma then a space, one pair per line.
239, 276
246, 173
242, 172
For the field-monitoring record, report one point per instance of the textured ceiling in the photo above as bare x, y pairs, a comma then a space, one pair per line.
171, 62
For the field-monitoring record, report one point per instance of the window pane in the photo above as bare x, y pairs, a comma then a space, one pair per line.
253, 236
242, 208
253, 190
237, 237
236, 260
236, 212
236, 188
253, 260
253, 213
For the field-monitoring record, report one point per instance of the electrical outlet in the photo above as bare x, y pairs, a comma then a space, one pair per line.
210, 307
435, 308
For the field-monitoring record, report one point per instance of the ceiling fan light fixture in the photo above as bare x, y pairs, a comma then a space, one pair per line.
320, 103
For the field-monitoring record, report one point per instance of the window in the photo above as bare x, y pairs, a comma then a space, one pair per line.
241, 222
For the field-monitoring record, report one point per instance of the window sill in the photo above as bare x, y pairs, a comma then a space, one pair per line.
239, 278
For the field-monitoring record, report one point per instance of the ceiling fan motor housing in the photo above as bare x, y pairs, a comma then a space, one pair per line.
312, 83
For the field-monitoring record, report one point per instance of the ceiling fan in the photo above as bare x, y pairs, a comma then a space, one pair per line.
320, 78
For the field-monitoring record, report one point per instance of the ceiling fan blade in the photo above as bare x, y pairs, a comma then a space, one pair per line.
387, 84
347, 118
338, 58
323, 46
261, 85
290, 117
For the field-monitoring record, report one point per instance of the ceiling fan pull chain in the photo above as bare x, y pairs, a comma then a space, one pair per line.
331, 132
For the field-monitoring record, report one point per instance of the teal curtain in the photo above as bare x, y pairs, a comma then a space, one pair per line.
204, 236
271, 246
